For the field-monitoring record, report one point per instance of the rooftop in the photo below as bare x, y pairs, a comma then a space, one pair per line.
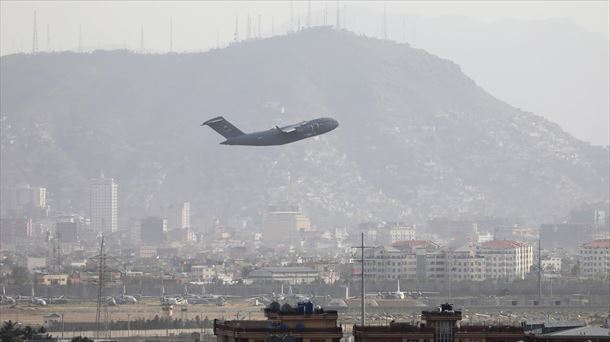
502, 244
415, 243
582, 331
601, 243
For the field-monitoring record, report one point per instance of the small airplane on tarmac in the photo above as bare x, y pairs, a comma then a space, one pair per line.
172, 299
37, 301
398, 294
205, 298
124, 298
6, 300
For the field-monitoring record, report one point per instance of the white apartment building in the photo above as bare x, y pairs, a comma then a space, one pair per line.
392, 232
104, 205
594, 258
465, 264
506, 259
551, 264
382, 263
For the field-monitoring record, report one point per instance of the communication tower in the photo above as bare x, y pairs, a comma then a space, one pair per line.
35, 36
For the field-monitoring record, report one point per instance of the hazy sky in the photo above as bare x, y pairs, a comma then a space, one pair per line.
202, 25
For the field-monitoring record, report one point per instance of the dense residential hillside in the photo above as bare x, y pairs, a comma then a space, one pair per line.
418, 138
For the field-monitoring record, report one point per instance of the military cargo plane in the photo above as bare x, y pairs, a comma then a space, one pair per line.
274, 136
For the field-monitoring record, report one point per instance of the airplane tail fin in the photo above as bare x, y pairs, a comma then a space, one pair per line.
223, 127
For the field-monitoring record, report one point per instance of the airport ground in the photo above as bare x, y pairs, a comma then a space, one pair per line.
382, 312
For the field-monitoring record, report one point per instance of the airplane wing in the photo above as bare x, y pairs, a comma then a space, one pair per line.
290, 128
374, 294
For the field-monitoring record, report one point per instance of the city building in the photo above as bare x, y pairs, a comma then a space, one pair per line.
564, 235
304, 323
551, 264
13, 230
594, 259
290, 275
391, 232
185, 216
17, 200
104, 205
66, 229
506, 259
54, 279
33, 263
439, 325
152, 230
388, 262
465, 264
282, 225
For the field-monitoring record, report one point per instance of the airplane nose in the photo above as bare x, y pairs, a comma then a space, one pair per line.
335, 123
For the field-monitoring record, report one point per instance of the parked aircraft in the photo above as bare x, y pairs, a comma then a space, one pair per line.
204, 298
173, 299
398, 294
37, 301
6, 300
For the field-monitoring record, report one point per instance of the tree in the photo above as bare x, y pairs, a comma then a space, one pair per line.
81, 339
10, 332
20, 275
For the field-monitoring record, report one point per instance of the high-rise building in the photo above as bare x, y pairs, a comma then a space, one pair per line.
283, 224
14, 230
66, 229
152, 230
17, 200
104, 205
185, 216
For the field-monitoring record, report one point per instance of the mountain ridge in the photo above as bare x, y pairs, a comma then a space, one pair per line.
434, 143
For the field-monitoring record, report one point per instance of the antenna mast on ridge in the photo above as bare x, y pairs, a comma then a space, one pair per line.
35, 36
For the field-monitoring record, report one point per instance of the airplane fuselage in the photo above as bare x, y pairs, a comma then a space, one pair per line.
274, 136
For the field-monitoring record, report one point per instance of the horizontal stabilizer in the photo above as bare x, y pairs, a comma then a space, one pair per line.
223, 127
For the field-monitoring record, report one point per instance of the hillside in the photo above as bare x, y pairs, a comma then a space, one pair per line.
417, 139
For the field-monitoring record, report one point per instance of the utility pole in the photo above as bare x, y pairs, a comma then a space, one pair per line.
100, 286
362, 247
539, 271
101, 259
